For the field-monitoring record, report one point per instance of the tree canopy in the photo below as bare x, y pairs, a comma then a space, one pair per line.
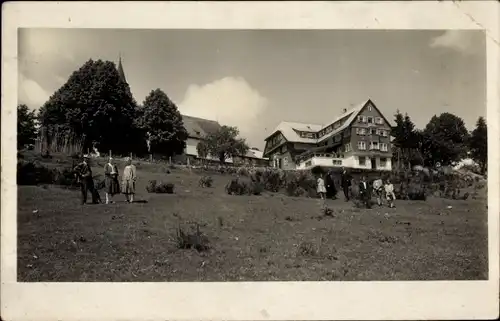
163, 122
445, 139
478, 144
94, 105
26, 126
225, 143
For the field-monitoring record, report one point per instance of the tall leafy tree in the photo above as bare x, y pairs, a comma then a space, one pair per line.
226, 144
478, 144
26, 126
94, 105
163, 122
445, 139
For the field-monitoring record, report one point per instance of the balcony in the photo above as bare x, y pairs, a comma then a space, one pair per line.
321, 159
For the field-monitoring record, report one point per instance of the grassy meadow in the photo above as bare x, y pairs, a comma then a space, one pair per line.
267, 237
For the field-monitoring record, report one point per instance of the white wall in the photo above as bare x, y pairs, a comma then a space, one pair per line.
350, 162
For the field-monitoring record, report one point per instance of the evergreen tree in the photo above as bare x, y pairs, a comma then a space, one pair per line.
478, 144
163, 121
26, 126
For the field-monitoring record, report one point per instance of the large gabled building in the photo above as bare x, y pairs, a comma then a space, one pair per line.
357, 138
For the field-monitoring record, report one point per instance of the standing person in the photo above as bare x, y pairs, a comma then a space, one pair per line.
321, 187
378, 186
389, 193
345, 181
129, 178
331, 191
364, 192
111, 180
84, 175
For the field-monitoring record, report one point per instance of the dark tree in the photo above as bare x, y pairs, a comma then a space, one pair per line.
445, 139
478, 144
225, 143
26, 126
406, 139
163, 121
94, 105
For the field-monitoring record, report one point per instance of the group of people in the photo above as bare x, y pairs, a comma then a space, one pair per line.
83, 173
382, 189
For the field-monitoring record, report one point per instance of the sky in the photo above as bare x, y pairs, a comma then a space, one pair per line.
254, 79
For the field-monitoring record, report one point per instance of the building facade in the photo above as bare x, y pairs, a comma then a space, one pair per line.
358, 138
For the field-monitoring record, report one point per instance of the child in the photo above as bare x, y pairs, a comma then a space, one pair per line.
389, 193
321, 187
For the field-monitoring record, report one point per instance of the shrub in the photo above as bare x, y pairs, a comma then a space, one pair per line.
243, 186
33, 173
300, 181
206, 181
159, 187
243, 171
193, 239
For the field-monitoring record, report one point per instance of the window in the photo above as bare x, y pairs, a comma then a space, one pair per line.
361, 145
370, 108
337, 162
370, 120
385, 133
347, 147
383, 147
379, 120
373, 132
383, 162
360, 131
362, 161
362, 119
374, 145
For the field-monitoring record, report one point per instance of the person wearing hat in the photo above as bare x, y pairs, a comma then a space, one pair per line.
111, 180
84, 176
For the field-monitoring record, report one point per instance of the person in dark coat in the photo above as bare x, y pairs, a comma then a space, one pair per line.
111, 180
365, 192
84, 175
331, 191
345, 181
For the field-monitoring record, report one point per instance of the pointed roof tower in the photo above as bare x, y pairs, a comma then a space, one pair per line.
120, 69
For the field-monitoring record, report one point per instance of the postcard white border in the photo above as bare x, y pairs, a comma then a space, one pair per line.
251, 300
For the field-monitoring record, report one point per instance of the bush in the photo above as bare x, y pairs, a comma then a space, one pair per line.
206, 181
159, 187
33, 173
300, 181
193, 239
243, 186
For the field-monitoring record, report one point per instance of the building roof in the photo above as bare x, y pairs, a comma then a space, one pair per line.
255, 153
199, 127
120, 69
289, 129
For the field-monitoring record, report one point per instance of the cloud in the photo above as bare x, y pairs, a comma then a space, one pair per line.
466, 42
31, 93
231, 101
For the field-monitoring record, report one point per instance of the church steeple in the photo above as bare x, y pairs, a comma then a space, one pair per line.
120, 68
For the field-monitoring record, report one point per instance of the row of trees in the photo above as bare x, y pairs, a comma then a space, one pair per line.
95, 108
444, 140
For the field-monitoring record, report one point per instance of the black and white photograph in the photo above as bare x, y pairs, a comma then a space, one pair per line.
198, 155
